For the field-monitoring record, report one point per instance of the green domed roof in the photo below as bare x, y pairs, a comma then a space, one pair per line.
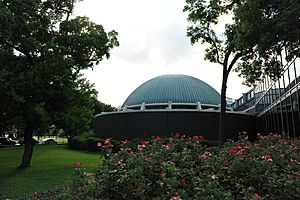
174, 88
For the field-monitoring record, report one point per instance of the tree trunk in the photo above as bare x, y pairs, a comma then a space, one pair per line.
226, 72
28, 149
223, 108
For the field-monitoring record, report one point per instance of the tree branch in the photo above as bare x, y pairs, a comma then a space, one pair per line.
236, 57
227, 57
213, 42
29, 57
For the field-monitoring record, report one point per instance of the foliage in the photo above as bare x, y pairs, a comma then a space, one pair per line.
204, 15
52, 167
271, 27
268, 167
182, 168
260, 31
87, 143
96, 144
43, 48
52, 194
100, 107
78, 114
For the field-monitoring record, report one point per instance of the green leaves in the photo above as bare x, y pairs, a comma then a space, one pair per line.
261, 31
43, 48
267, 28
86, 42
265, 169
204, 16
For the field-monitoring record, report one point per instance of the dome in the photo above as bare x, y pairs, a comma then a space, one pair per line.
171, 104
181, 89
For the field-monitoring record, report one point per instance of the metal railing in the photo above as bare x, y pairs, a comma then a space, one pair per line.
277, 101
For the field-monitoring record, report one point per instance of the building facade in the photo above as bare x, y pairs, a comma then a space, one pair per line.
169, 104
275, 102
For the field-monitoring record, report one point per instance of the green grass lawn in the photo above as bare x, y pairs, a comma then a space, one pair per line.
52, 165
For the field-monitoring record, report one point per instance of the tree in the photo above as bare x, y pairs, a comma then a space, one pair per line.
43, 48
271, 27
260, 31
204, 15
78, 115
102, 107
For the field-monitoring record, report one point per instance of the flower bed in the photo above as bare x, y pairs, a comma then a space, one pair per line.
183, 168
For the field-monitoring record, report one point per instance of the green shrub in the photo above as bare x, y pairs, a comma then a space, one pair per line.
183, 168
61, 192
91, 144
87, 143
269, 167
77, 142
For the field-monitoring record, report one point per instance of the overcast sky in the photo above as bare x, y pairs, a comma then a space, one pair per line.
153, 42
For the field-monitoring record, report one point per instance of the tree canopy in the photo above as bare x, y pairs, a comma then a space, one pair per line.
260, 31
102, 107
43, 48
266, 29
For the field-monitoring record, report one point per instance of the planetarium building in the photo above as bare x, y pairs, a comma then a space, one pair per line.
169, 104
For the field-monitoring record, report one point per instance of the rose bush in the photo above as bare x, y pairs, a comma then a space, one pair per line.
267, 168
183, 168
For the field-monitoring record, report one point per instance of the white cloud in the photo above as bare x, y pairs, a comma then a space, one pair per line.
152, 36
